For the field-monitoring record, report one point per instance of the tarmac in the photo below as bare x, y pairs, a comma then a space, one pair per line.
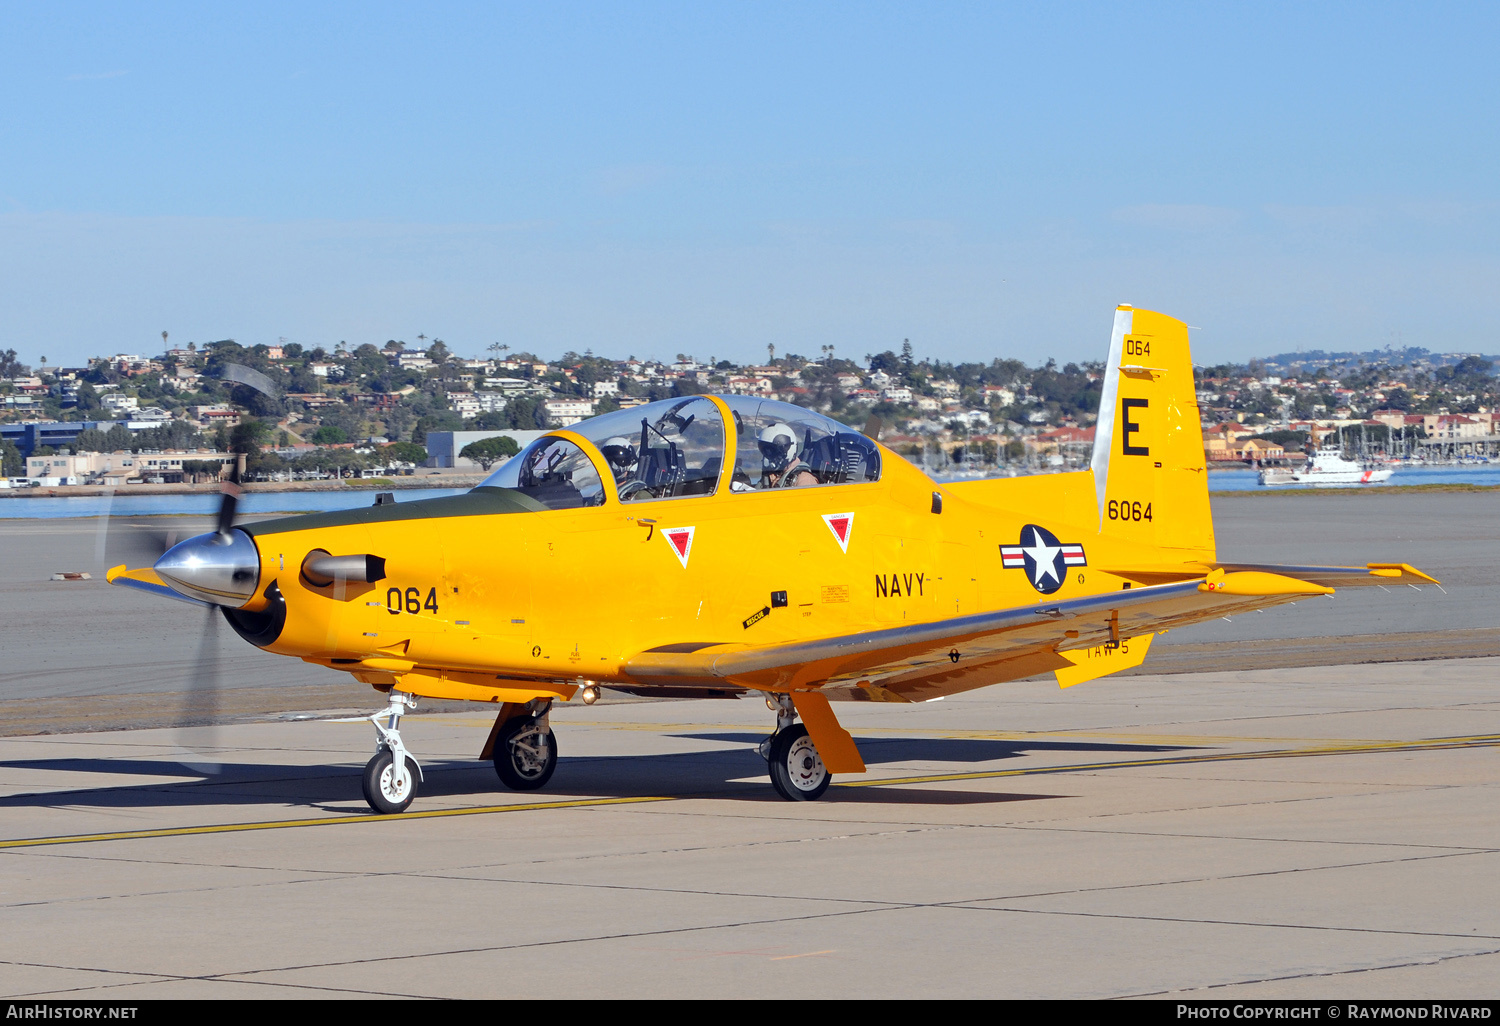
1299, 833
1313, 831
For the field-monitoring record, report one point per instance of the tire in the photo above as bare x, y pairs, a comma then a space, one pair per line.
797, 773
525, 755
383, 797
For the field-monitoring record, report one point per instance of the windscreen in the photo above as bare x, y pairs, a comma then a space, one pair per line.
662, 450
552, 472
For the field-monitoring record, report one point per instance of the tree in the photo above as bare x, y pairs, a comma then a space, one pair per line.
120, 438
90, 440
88, 398
247, 437
488, 451
10, 365
11, 463
404, 452
329, 434
445, 420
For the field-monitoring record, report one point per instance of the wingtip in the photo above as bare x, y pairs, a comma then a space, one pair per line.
1399, 570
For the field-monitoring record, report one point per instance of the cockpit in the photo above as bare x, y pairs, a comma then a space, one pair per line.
677, 447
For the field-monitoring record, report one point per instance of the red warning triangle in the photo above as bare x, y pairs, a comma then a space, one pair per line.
681, 540
841, 524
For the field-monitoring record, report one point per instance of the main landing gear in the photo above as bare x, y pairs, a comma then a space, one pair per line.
391, 777
797, 771
525, 749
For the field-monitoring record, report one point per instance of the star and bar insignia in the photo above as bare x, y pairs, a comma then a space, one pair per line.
1044, 558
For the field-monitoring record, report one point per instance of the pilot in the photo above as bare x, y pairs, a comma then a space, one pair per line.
620, 455
778, 447
622, 460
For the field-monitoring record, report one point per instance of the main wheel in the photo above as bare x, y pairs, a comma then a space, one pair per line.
525, 754
383, 791
797, 772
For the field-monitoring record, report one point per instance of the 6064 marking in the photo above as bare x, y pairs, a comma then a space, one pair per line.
1125, 509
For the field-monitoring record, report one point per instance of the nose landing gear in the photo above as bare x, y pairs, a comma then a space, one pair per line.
390, 778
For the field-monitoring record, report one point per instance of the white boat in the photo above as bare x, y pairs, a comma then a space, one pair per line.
1327, 467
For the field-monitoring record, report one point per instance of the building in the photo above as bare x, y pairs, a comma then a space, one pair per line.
56, 434
565, 412
119, 402
443, 447
213, 416
748, 385
117, 469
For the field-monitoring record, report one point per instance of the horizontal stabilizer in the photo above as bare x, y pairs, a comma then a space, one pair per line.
1371, 575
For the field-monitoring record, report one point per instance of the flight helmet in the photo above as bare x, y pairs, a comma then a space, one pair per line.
619, 452
778, 444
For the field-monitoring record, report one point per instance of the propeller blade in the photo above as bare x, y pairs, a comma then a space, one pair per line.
197, 730
140, 541
228, 506
240, 374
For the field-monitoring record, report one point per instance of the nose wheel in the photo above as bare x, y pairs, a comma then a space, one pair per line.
386, 789
391, 777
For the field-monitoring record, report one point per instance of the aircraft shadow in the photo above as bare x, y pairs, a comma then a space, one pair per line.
876, 750
716, 774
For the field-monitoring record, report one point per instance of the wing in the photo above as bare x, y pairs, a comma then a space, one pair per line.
918, 662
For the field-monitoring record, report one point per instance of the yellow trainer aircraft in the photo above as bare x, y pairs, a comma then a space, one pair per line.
723, 545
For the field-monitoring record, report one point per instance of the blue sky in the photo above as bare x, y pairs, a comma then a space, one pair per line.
647, 179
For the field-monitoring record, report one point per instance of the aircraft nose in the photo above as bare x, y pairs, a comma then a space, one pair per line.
222, 568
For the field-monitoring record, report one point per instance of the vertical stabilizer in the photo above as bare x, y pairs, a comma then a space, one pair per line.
1149, 476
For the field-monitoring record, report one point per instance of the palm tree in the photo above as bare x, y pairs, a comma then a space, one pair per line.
771, 352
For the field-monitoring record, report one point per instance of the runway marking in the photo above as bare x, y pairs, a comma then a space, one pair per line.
810, 954
283, 824
1424, 745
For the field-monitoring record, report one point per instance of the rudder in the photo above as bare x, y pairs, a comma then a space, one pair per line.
1149, 475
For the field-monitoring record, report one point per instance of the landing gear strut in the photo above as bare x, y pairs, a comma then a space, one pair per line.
797, 771
391, 777
526, 749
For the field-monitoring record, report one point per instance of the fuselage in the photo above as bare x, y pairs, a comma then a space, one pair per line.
488, 595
